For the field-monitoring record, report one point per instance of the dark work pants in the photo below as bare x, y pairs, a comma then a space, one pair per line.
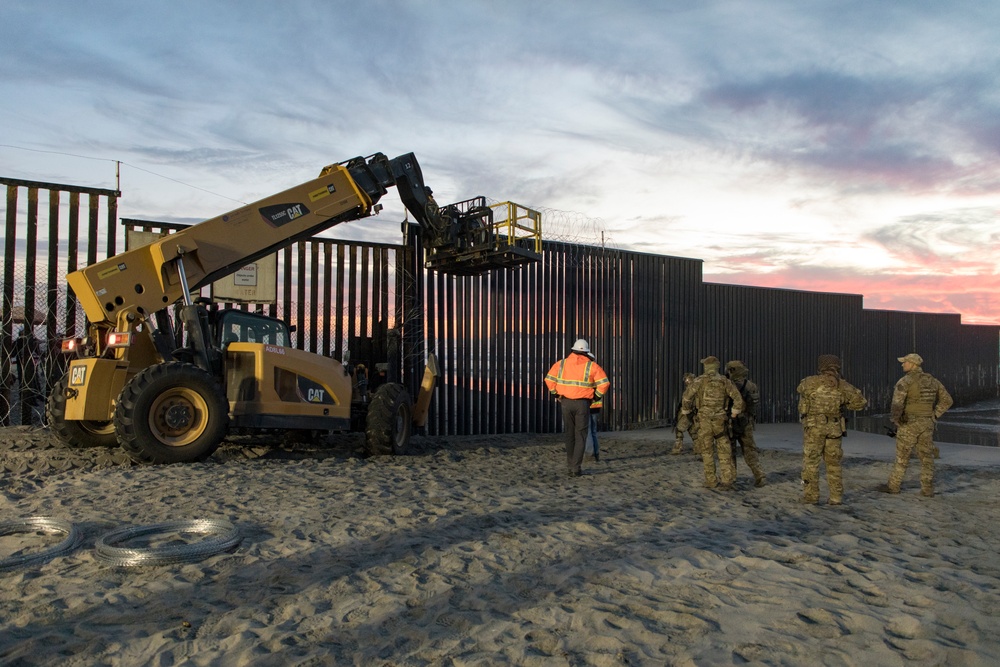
576, 419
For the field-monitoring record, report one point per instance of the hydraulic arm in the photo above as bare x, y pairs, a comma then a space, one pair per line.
147, 279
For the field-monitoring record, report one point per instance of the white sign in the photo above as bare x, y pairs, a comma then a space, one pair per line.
246, 276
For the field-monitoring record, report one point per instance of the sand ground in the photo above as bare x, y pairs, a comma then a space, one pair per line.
479, 551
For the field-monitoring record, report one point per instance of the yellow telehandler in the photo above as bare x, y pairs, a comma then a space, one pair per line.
165, 376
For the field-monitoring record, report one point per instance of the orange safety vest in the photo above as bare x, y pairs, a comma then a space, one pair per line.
577, 376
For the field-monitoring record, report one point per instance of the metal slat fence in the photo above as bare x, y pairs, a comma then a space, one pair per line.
33, 294
649, 318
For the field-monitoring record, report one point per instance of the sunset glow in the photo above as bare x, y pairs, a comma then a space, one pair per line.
844, 147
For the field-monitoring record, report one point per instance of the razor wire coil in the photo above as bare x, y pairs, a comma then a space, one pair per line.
224, 535
39, 524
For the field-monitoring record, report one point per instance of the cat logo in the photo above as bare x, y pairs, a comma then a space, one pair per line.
277, 215
78, 376
316, 396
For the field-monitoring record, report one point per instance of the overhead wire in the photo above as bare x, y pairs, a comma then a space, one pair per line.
119, 163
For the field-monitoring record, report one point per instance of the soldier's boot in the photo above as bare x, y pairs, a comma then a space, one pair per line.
927, 475
810, 494
836, 494
759, 478
727, 469
708, 464
927, 481
678, 447
895, 477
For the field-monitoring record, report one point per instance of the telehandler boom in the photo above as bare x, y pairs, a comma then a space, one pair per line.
167, 389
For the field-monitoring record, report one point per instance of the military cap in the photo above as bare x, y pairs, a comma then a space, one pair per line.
826, 361
736, 364
710, 360
913, 358
688, 376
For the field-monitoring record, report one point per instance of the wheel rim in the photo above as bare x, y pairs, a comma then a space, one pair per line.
178, 416
97, 428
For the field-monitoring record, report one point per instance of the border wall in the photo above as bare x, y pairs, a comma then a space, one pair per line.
649, 319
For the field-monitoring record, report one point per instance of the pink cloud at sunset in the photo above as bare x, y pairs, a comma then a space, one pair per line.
849, 147
977, 298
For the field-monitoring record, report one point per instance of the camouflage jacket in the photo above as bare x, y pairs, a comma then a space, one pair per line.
709, 394
823, 396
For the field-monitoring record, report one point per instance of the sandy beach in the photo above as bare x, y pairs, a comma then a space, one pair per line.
479, 551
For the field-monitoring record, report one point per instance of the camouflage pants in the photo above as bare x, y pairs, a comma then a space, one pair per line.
750, 452
821, 442
691, 430
916, 432
711, 440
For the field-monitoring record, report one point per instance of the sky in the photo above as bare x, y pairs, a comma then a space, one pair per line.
846, 147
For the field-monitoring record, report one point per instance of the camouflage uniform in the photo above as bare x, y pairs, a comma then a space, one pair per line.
684, 423
918, 401
710, 394
821, 399
743, 424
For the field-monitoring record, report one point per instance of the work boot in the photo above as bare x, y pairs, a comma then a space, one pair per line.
885, 488
927, 492
834, 501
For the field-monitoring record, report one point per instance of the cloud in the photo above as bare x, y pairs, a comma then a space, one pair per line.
957, 241
978, 301
771, 138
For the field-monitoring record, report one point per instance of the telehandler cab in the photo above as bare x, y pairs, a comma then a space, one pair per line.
168, 388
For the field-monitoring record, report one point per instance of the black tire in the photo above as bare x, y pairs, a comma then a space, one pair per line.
390, 421
171, 413
75, 433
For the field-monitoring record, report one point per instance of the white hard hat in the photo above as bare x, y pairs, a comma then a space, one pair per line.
581, 346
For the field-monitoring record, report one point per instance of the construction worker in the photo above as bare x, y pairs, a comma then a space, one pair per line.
709, 395
577, 381
918, 401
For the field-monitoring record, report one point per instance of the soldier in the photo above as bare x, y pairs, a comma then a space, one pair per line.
743, 424
918, 401
709, 394
684, 423
821, 401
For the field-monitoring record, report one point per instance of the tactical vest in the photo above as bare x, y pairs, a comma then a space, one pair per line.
712, 396
921, 395
824, 397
